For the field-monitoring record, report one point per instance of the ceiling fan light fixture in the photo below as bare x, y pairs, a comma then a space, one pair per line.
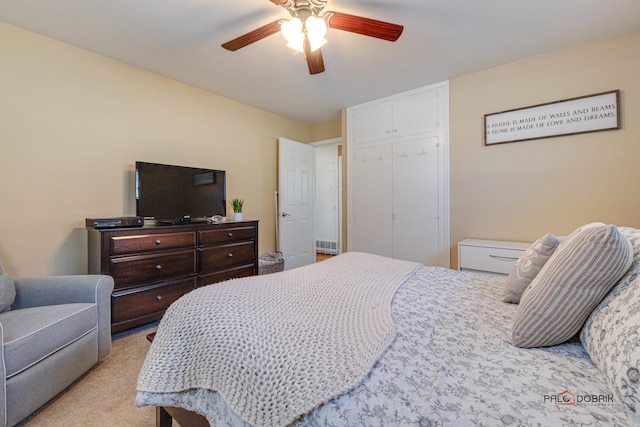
306, 29
315, 26
316, 44
291, 29
316, 29
292, 32
297, 44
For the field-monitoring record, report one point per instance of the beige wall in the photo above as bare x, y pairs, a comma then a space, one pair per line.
519, 191
72, 124
327, 130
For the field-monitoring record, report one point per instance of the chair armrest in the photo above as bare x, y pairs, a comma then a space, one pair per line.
3, 381
41, 291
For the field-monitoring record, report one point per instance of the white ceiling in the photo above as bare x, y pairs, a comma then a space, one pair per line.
442, 39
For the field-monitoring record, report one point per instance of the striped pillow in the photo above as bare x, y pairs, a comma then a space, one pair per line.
574, 280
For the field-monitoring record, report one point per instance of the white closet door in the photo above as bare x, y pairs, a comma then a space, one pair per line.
415, 201
372, 123
372, 196
418, 113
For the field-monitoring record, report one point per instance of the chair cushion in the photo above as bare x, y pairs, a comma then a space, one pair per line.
7, 292
32, 334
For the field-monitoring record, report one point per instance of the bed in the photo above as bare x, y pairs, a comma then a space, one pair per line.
448, 357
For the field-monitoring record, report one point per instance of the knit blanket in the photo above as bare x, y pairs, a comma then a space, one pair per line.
277, 346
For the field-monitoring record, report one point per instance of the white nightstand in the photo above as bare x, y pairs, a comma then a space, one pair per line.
489, 256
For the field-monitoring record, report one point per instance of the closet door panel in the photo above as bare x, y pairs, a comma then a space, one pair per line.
415, 114
415, 201
372, 196
372, 123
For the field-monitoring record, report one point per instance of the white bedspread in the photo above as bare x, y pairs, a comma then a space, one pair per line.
277, 346
451, 364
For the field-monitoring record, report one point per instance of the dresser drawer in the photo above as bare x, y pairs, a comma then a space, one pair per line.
220, 257
231, 273
225, 235
140, 302
489, 256
151, 242
154, 265
135, 270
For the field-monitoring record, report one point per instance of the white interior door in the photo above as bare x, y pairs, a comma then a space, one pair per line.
296, 188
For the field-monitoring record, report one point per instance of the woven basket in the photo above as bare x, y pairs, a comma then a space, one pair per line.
270, 263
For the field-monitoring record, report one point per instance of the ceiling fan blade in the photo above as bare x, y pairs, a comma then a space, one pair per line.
252, 36
314, 59
365, 26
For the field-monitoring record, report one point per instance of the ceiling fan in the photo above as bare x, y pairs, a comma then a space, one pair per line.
305, 30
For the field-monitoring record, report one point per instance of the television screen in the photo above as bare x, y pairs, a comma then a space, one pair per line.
179, 193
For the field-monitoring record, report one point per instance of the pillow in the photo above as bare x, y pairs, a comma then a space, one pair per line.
528, 266
577, 230
611, 335
578, 275
7, 292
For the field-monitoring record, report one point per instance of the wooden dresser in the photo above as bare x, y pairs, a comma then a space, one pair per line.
153, 266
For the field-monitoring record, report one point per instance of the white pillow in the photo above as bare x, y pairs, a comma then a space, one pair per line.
611, 335
528, 266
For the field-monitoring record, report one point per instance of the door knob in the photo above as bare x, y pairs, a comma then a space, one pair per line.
285, 214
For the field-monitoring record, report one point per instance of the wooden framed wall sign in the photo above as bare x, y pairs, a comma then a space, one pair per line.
591, 113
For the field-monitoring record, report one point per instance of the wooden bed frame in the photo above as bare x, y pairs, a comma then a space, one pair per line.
165, 415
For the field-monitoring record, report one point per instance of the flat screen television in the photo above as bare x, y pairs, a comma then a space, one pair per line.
176, 194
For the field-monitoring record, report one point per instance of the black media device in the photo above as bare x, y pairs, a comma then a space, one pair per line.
117, 222
179, 194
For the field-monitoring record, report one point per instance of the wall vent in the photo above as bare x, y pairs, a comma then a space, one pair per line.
326, 247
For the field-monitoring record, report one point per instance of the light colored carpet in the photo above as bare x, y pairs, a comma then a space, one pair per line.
104, 396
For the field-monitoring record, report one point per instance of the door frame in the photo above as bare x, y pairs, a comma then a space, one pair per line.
335, 141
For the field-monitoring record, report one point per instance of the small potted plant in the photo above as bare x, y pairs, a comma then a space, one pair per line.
237, 209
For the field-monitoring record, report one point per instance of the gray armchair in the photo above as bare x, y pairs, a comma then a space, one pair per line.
56, 329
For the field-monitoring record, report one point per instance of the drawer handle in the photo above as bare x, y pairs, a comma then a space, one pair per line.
230, 234
158, 297
504, 258
158, 267
230, 255
158, 242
